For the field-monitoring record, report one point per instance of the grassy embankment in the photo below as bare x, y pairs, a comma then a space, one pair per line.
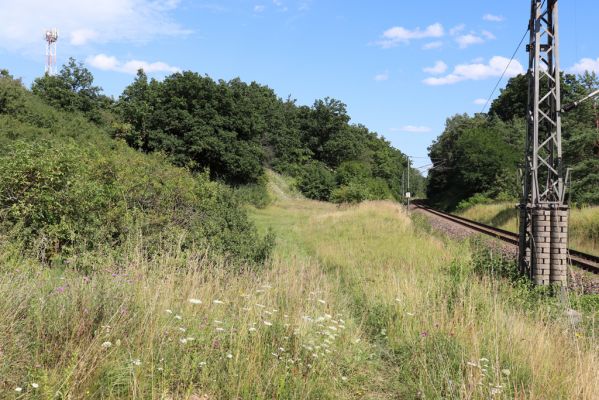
584, 223
355, 303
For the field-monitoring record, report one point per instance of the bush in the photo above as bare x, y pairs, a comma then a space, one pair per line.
58, 199
255, 194
317, 181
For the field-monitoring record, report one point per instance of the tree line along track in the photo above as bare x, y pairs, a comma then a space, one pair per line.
582, 260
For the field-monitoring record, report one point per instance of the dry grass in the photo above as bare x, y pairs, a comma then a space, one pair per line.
356, 303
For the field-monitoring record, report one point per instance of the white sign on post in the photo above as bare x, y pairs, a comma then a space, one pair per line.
408, 195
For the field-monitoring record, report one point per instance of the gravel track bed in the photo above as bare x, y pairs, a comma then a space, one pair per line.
578, 280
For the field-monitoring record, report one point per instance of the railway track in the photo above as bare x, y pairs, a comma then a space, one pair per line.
582, 260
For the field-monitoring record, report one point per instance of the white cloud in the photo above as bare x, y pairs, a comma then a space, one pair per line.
493, 18
488, 35
457, 29
259, 8
432, 45
83, 36
398, 34
480, 102
382, 77
436, 69
412, 129
468, 40
585, 64
111, 63
82, 22
479, 71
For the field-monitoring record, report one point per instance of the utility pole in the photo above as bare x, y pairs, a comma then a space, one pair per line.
543, 205
408, 194
403, 186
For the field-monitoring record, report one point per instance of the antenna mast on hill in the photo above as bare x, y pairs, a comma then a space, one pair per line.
51, 37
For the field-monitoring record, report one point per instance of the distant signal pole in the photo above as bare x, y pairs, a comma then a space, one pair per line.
51, 37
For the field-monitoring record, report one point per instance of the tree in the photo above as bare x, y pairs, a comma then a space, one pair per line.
72, 90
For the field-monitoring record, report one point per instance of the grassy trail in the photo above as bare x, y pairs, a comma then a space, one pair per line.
435, 329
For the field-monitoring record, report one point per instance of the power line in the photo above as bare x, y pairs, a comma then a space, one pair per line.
505, 70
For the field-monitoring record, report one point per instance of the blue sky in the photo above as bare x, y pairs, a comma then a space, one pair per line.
402, 67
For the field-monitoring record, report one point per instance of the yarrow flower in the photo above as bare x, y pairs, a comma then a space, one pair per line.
35, 385
106, 345
229, 355
267, 323
137, 362
18, 389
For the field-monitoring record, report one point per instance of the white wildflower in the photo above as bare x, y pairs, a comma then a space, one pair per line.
169, 311
106, 345
18, 389
484, 360
195, 301
182, 329
35, 385
252, 329
137, 362
183, 340
218, 302
505, 372
410, 314
229, 355
472, 364
202, 363
322, 301
267, 323
178, 317
219, 329
216, 321
344, 378
260, 305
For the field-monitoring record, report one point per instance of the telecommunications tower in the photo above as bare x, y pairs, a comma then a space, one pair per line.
51, 37
544, 204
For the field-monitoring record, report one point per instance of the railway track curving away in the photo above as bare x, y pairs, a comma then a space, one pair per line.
582, 260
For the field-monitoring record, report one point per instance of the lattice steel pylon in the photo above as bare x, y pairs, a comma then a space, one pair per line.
51, 37
543, 205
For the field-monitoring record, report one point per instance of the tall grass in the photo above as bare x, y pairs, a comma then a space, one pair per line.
584, 223
355, 303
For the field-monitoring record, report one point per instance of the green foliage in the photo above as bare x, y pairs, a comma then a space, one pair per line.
316, 181
72, 90
481, 155
255, 194
60, 199
199, 123
474, 155
67, 189
234, 129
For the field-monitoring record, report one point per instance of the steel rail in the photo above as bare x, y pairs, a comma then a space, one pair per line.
582, 260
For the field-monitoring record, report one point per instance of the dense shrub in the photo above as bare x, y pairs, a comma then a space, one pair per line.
58, 198
316, 181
